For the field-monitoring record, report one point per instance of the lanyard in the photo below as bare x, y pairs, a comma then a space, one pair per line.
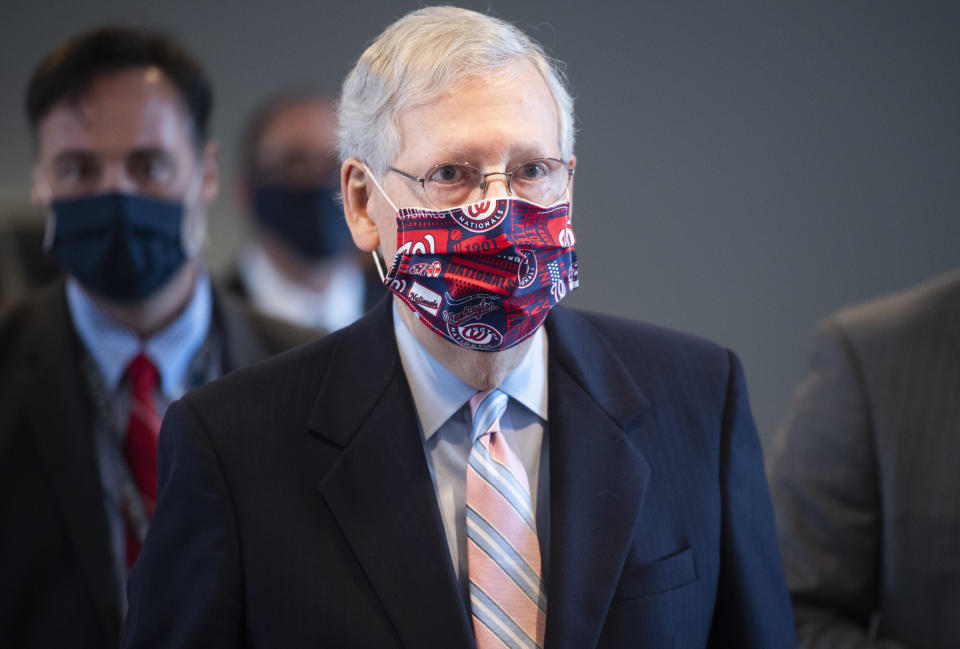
132, 503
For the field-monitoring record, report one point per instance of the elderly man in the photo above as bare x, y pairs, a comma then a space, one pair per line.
126, 169
300, 264
447, 472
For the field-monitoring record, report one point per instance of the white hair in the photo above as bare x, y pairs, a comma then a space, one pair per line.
421, 57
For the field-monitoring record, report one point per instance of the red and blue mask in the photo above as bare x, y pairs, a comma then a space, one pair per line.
485, 275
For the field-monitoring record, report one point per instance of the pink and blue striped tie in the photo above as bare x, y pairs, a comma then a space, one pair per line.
507, 597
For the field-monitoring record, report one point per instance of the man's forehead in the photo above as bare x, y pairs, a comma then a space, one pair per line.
308, 107
517, 149
306, 122
510, 111
132, 108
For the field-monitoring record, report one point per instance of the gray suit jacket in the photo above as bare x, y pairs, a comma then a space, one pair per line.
865, 476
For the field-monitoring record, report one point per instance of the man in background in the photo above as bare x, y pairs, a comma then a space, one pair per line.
127, 170
865, 481
300, 264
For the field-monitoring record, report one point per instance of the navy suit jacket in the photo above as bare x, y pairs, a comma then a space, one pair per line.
296, 508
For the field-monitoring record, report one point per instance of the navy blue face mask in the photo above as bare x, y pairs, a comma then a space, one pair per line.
120, 246
309, 219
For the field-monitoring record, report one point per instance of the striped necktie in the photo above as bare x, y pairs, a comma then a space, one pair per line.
507, 597
140, 445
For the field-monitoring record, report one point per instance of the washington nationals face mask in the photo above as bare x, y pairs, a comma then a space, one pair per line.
483, 276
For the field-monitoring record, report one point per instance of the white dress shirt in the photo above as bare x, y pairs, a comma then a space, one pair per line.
273, 293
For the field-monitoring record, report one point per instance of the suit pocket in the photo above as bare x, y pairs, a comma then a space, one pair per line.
668, 573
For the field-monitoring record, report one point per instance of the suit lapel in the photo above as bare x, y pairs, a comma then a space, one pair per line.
59, 415
597, 482
240, 344
380, 490
597, 478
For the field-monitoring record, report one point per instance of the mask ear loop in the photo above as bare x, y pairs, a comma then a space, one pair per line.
50, 225
376, 259
193, 231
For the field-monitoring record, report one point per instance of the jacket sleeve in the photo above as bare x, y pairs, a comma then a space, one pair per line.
752, 607
826, 498
185, 588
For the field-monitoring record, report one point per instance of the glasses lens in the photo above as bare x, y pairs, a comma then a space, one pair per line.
541, 181
452, 184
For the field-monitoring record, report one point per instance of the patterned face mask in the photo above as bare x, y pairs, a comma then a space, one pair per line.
485, 275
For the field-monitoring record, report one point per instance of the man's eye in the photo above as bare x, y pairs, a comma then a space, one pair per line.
532, 171
448, 174
77, 170
152, 168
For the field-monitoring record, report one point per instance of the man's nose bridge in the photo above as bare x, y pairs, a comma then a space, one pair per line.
501, 178
115, 178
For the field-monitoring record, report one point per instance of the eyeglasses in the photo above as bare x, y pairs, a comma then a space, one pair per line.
451, 184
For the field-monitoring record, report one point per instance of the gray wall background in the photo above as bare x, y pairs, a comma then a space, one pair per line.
744, 168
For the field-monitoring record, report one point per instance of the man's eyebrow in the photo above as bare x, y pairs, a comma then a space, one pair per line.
71, 155
456, 154
514, 155
530, 152
148, 151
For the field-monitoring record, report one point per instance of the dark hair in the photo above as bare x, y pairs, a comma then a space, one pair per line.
264, 116
68, 72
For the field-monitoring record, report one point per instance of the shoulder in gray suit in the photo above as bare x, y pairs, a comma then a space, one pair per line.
864, 476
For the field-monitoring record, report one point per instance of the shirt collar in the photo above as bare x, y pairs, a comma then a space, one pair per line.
438, 394
275, 294
112, 346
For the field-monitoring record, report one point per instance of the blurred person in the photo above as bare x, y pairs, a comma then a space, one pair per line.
24, 266
300, 264
864, 476
126, 169
446, 472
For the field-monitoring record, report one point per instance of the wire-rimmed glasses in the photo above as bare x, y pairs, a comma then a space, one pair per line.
451, 184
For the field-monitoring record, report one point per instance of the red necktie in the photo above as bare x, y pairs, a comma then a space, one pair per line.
140, 447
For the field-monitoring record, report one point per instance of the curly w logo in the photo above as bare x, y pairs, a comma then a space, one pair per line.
479, 210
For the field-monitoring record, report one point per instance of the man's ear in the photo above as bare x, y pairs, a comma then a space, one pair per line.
210, 168
39, 189
356, 198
